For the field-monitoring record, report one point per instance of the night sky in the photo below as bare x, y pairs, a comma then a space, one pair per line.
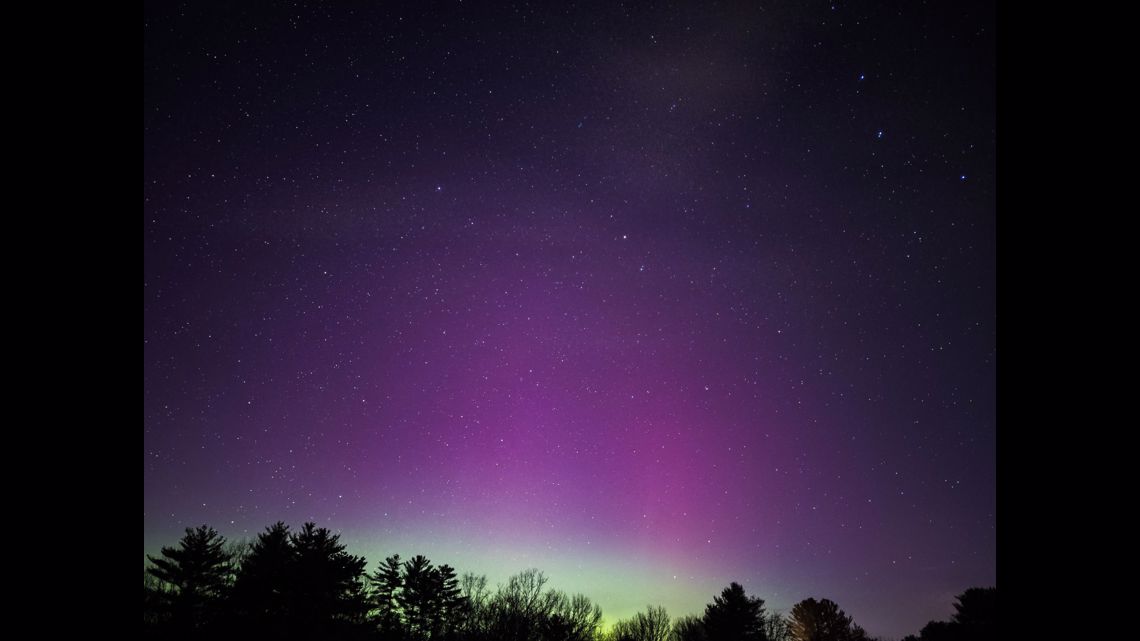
650, 298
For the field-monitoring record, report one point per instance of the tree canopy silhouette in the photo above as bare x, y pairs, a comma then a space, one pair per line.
524, 610
305, 585
651, 625
328, 581
735, 616
429, 601
193, 578
263, 588
298, 584
976, 608
975, 619
387, 583
688, 628
822, 620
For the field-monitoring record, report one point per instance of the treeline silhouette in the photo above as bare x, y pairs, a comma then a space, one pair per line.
305, 585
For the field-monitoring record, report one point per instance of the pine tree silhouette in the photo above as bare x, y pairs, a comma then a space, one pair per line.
328, 583
734, 616
262, 595
196, 576
387, 585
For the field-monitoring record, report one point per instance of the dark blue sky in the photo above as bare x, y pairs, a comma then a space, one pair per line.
702, 292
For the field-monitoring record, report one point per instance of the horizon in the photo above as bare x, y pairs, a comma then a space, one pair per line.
696, 594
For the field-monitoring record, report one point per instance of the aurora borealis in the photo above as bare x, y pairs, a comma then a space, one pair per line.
650, 298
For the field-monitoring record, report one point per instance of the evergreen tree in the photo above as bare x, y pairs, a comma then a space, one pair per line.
194, 578
327, 582
976, 611
418, 596
975, 619
734, 616
262, 593
449, 601
387, 585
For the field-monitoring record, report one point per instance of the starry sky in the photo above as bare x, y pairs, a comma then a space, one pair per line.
652, 298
